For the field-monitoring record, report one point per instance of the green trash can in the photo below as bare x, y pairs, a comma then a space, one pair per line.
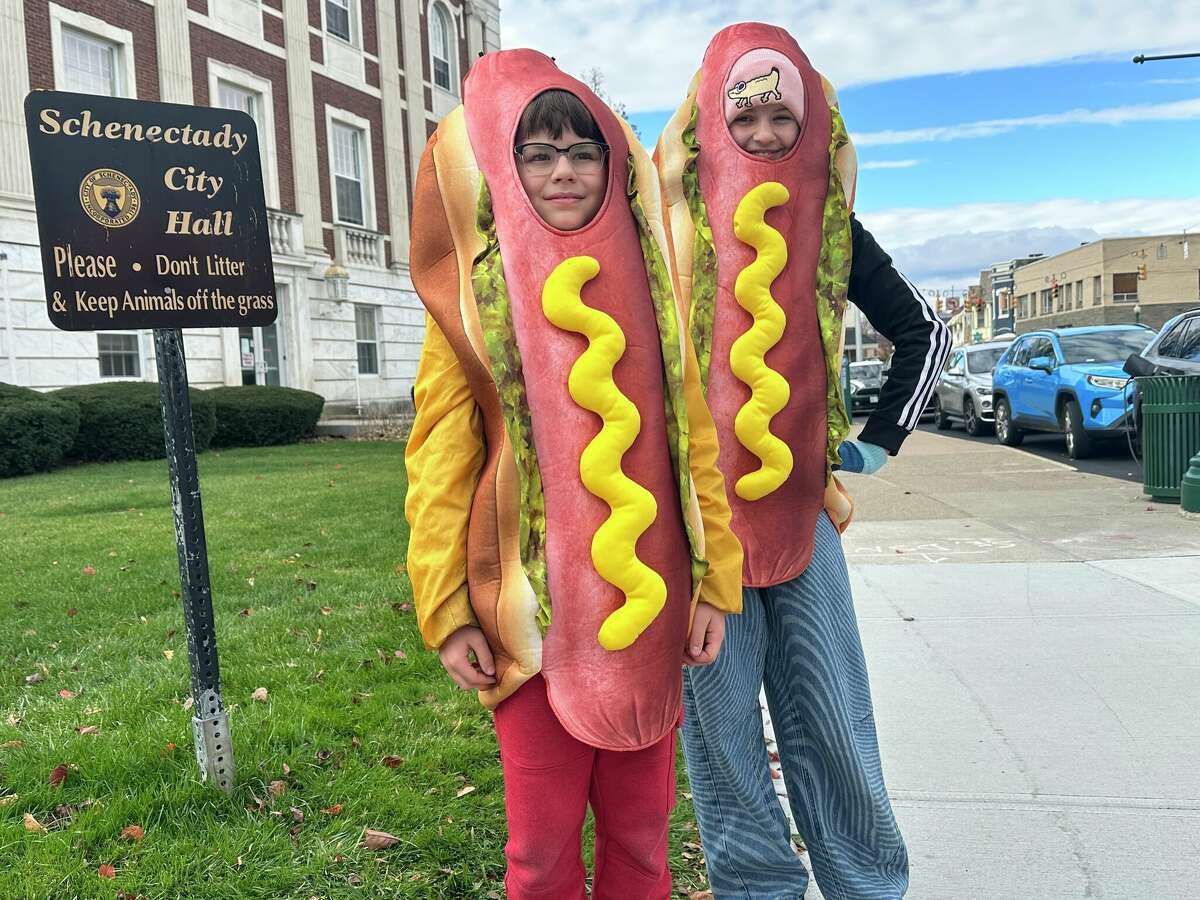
1170, 431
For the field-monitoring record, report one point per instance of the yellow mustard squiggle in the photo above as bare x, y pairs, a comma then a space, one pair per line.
632, 507
769, 391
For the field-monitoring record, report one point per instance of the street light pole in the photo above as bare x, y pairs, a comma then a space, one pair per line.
1141, 58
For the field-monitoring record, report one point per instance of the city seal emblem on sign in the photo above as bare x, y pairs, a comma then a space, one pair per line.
109, 197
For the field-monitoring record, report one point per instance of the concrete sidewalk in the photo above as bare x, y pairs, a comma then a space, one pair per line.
1033, 638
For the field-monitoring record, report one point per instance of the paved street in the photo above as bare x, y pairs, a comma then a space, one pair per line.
1033, 634
1033, 637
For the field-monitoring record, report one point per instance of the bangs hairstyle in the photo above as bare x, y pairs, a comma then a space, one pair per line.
554, 112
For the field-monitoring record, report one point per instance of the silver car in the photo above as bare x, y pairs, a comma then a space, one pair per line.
964, 390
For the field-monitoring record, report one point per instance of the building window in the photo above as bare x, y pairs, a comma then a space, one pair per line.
1067, 289
365, 337
347, 143
1097, 290
120, 356
1125, 287
232, 96
1079, 294
1047, 302
338, 20
441, 45
1162, 250
91, 65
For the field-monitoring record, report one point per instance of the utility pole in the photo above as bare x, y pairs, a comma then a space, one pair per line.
1139, 59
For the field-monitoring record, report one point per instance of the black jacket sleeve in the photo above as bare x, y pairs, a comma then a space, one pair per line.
897, 310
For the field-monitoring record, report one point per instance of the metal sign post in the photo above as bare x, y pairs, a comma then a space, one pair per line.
151, 215
210, 723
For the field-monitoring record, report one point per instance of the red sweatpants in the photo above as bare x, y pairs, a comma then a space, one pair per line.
549, 778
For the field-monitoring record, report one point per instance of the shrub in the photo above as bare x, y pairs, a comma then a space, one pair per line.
258, 415
122, 420
35, 430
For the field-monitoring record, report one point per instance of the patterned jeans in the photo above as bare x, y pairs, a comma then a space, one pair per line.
800, 640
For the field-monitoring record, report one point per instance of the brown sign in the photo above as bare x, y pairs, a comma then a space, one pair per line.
150, 215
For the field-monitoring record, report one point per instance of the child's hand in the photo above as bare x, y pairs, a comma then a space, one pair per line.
468, 658
708, 631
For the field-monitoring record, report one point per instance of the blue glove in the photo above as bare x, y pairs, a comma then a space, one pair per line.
861, 457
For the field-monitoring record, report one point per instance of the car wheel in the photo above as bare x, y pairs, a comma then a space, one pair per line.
1079, 443
940, 419
971, 420
1006, 432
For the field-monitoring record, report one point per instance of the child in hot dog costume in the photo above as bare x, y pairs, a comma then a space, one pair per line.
570, 545
758, 178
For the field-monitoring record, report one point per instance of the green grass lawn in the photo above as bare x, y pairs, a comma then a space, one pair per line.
306, 550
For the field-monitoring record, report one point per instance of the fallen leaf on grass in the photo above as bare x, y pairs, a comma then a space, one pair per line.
34, 678
132, 833
58, 775
379, 840
400, 569
189, 703
334, 810
13, 720
12, 745
87, 729
277, 788
88, 570
297, 813
326, 610
32, 824
66, 695
246, 612
392, 762
700, 895
72, 612
106, 871
250, 581
169, 654
260, 694
464, 790
9, 798
170, 748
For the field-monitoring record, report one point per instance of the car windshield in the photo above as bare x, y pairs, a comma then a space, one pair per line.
866, 367
1103, 346
980, 362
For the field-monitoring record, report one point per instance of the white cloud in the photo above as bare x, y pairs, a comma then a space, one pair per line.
1115, 115
889, 164
941, 247
1173, 81
649, 50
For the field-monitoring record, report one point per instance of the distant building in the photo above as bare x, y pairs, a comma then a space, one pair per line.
996, 285
1110, 281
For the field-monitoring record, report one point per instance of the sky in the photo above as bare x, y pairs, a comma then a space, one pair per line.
985, 130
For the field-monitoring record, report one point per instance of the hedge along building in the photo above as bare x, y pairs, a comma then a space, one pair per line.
344, 93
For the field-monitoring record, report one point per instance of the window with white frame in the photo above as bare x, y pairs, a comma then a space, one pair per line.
230, 87
120, 356
441, 47
234, 96
91, 64
366, 339
339, 19
346, 144
1162, 250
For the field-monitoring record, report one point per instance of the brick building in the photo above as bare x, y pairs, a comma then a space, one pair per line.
344, 93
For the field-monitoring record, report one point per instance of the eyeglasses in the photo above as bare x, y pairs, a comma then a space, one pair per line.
586, 157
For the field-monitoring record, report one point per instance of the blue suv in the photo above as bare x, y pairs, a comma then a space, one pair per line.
1066, 380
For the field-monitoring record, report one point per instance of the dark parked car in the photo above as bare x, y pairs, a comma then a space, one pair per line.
1177, 345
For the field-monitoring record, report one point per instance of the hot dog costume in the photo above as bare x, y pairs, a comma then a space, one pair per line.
762, 253
564, 495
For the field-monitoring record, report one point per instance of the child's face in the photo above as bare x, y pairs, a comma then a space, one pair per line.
768, 130
564, 197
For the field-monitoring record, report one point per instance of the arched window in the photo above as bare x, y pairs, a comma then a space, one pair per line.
441, 47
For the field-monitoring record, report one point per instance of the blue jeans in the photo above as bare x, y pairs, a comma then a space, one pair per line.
800, 641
